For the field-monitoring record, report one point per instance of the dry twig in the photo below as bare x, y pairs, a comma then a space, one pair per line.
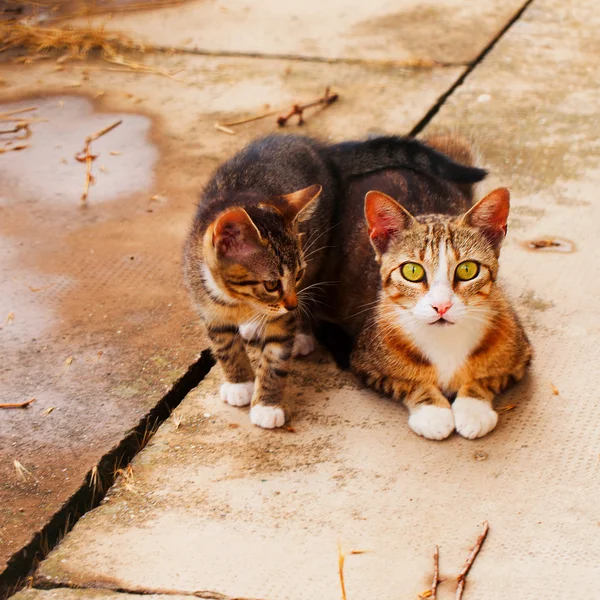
462, 577
341, 561
224, 129
88, 158
297, 109
18, 404
5, 115
14, 148
436, 573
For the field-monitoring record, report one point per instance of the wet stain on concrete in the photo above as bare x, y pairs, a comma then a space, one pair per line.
68, 276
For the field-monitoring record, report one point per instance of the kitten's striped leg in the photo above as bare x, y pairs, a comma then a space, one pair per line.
473, 408
272, 373
228, 348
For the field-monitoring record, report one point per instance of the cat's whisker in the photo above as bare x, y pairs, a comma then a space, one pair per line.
311, 242
307, 256
316, 285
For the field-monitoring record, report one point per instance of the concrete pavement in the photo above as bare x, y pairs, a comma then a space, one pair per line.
213, 505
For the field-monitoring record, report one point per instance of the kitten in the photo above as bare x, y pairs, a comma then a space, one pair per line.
257, 247
430, 319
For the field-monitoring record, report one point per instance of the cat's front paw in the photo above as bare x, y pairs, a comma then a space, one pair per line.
432, 422
303, 344
474, 418
237, 394
250, 331
267, 417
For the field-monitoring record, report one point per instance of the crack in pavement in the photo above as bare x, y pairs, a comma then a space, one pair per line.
442, 99
416, 63
88, 496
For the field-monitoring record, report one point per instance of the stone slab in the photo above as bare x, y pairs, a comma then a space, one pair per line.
215, 504
107, 278
448, 31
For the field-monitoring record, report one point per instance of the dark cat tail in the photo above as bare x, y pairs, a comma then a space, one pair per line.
355, 159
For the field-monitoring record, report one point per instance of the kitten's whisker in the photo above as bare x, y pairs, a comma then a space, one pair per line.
313, 242
318, 284
306, 256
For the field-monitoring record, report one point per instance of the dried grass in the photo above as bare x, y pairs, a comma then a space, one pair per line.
75, 43
21, 472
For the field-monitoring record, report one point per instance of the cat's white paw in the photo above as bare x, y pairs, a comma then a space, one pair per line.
267, 417
237, 394
303, 344
473, 418
432, 422
249, 331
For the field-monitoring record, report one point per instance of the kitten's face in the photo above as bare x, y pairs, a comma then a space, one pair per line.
440, 270
256, 252
266, 277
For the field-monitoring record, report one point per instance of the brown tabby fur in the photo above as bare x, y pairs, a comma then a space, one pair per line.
372, 294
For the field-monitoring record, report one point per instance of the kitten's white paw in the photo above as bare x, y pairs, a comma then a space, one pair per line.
303, 344
474, 418
249, 331
267, 417
237, 394
432, 422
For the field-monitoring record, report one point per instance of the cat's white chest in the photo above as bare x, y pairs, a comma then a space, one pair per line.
447, 347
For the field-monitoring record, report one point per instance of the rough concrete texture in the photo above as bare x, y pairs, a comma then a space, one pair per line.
451, 31
215, 504
107, 278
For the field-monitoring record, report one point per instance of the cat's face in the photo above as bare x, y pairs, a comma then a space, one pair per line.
437, 269
257, 253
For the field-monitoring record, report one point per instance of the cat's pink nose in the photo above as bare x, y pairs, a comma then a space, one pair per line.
441, 308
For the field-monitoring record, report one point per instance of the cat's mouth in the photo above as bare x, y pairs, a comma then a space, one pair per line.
441, 322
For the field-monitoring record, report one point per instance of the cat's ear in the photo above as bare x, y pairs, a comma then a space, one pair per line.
386, 220
235, 234
300, 205
490, 215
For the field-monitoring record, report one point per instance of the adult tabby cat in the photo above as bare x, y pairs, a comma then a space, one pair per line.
430, 319
258, 244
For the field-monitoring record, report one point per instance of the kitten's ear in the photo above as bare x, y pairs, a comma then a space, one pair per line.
386, 219
235, 234
490, 215
300, 205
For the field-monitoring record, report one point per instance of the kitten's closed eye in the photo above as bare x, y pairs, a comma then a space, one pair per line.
300, 274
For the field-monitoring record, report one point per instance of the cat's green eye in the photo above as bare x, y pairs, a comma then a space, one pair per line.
300, 274
412, 272
272, 285
467, 270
